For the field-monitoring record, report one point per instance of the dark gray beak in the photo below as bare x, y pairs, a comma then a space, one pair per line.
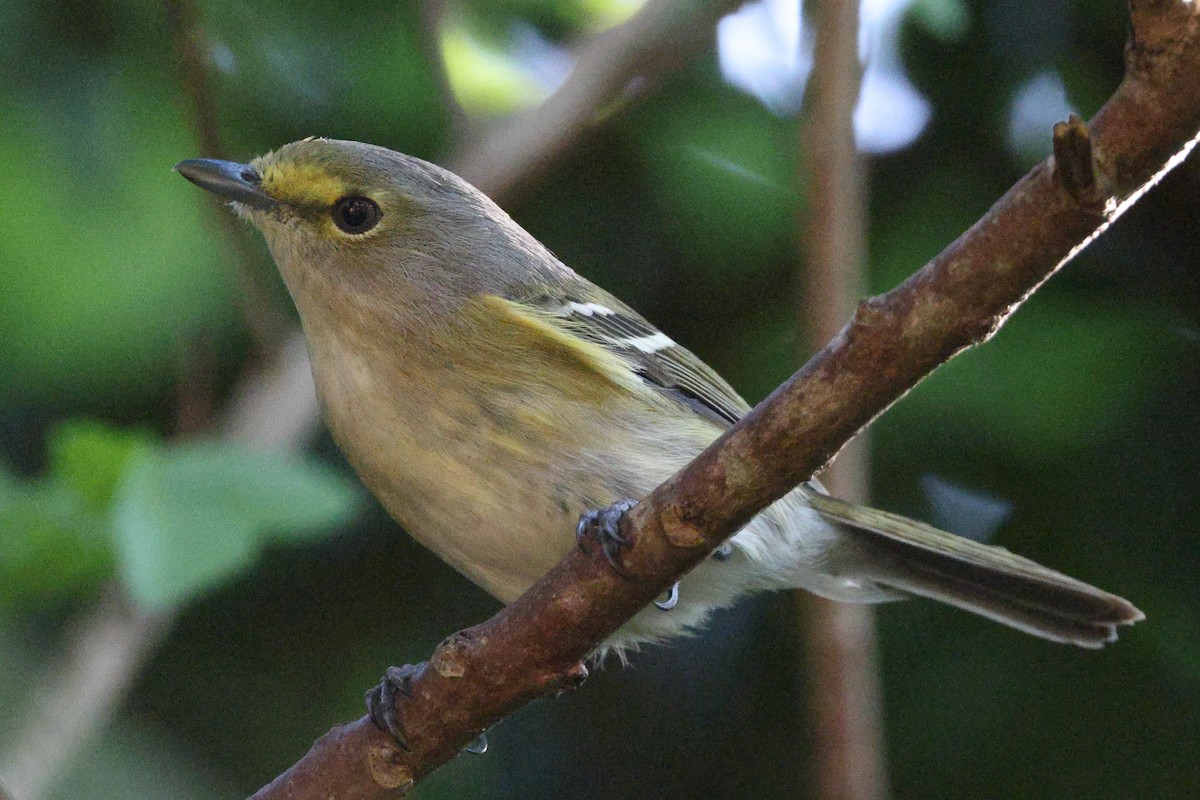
227, 179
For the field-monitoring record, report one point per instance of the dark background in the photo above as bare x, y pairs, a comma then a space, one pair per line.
1080, 417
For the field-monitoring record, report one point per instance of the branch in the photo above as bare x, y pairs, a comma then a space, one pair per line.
535, 646
844, 702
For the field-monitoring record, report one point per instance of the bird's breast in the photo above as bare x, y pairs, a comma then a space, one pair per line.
489, 474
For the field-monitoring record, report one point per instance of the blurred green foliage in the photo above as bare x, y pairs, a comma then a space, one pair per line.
90, 246
53, 548
186, 516
1080, 414
171, 520
723, 172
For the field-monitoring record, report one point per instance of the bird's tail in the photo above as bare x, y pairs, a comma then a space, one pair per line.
904, 554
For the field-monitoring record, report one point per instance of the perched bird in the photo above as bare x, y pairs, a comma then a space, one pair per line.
488, 396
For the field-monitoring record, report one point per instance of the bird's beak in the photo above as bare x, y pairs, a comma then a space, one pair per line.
228, 179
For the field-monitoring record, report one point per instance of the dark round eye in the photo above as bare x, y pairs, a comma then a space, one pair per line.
356, 214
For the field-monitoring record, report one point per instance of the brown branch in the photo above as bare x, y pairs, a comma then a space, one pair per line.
534, 646
845, 716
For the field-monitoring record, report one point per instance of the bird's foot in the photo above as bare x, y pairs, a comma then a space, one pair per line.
381, 700
604, 526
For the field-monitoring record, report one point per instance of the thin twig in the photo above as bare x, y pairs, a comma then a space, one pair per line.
662, 35
846, 719
535, 645
196, 386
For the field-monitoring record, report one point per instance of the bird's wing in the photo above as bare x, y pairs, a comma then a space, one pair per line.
655, 358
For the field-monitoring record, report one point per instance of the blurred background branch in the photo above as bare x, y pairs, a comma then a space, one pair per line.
110, 645
838, 639
658, 39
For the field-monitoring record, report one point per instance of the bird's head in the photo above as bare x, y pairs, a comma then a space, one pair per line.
347, 221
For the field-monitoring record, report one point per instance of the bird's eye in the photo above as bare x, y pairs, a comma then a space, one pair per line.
356, 214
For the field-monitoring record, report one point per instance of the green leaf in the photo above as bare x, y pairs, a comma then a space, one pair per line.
188, 517
53, 547
90, 457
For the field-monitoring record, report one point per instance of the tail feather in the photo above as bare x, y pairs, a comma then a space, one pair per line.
900, 553
972, 591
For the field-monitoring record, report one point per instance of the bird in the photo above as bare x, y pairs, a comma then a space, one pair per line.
489, 397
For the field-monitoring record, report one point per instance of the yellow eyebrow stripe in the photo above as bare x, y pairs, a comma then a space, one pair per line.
301, 184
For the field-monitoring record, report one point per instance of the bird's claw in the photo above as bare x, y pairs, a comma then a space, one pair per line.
604, 526
381, 700
672, 598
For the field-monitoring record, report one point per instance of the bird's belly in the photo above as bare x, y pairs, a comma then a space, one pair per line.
500, 522
494, 495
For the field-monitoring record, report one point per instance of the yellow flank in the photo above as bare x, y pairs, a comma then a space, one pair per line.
299, 184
